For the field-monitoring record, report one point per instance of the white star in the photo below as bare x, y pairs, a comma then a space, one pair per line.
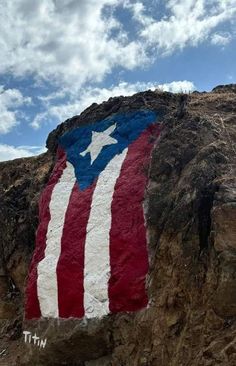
99, 140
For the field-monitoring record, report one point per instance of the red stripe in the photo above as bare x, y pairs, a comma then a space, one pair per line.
32, 309
128, 247
70, 268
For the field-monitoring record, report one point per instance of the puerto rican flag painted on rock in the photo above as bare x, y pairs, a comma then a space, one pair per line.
91, 252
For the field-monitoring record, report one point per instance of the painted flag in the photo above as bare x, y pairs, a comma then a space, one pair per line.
91, 254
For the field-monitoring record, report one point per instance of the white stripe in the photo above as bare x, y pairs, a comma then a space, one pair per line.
97, 254
47, 276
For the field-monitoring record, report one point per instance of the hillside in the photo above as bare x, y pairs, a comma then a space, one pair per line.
190, 216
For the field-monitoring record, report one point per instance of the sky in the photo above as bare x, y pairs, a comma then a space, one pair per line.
60, 56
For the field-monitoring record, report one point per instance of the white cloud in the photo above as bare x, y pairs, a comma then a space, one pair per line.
8, 152
221, 39
64, 41
184, 86
75, 43
91, 95
188, 23
139, 12
71, 42
10, 100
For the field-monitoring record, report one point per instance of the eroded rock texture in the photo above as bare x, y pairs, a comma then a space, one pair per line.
191, 218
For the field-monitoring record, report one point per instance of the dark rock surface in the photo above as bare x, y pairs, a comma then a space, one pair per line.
191, 220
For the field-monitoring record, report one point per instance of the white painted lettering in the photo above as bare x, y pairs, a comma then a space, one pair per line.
36, 341
26, 333
43, 343
35, 338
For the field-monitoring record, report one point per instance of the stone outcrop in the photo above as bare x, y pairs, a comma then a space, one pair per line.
191, 219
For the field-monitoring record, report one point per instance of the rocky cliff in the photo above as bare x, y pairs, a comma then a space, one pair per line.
190, 213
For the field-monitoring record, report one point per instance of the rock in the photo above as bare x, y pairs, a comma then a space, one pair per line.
225, 88
190, 210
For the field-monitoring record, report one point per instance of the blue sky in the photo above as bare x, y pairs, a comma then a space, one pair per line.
59, 56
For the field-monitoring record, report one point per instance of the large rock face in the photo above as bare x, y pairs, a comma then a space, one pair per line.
190, 217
